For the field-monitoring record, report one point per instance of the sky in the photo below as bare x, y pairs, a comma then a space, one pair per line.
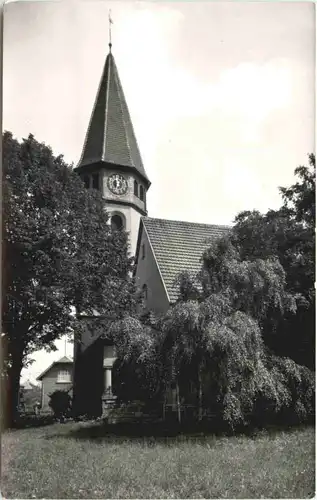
221, 96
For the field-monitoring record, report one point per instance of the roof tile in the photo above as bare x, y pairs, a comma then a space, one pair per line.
178, 246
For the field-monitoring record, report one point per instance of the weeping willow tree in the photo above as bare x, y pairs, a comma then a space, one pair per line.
218, 338
139, 367
212, 337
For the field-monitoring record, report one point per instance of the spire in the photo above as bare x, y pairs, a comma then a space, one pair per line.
110, 137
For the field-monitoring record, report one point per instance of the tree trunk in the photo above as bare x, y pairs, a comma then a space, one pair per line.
12, 398
165, 401
200, 395
12, 390
178, 403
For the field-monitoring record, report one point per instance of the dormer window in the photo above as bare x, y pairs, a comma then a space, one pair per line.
136, 188
141, 193
63, 377
95, 181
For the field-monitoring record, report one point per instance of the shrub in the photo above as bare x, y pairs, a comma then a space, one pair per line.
60, 403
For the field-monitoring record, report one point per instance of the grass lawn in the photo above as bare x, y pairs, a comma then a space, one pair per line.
73, 461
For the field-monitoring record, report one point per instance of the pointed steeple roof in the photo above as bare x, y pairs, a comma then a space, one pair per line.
110, 136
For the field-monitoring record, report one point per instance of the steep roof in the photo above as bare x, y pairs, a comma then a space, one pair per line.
27, 385
178, 246
110, 136
64, 360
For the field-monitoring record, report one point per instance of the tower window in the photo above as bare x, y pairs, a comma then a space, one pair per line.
116, 222
136, 190
86, 181
141, 193
95, 181
143, 251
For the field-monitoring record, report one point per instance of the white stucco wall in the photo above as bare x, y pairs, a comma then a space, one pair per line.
131, 214
147, 273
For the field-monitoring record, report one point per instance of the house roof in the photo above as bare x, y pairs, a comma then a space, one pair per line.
110, 136
27, 385
64, 360
178, 246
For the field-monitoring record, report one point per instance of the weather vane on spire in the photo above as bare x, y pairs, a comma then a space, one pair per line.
110, 23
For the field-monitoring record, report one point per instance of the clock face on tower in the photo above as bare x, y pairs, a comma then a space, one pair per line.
117, 184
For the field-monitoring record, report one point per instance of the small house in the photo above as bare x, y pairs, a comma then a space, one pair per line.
57, 377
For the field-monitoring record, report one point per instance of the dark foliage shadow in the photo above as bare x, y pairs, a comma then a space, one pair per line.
31, 421
162, 432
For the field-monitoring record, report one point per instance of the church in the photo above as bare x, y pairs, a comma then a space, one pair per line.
111, 162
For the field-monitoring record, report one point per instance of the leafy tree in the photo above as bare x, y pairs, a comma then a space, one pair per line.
139, 368
213, 338
60, 403
59, 255
31, 395
217, 338
300, 198
185, 345
288, 234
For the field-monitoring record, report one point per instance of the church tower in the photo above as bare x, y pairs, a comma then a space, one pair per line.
111, 160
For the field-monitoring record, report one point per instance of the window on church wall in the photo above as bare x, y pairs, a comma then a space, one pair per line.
86, 181
95, 181
116, 222
143, 251
136, 188
141, 193
144, 295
